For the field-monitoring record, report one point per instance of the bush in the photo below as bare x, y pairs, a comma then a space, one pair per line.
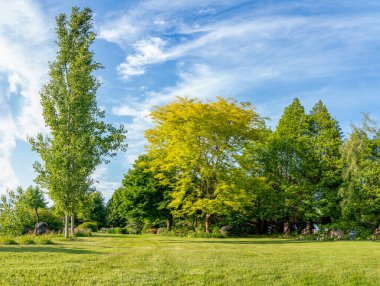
88, 225
134, 226
83, 233
7, 240
192, 234
111, 231
119, 230
151, 231
26, 239
43, 239
54, 222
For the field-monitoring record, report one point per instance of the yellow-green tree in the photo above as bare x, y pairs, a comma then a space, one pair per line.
202, 144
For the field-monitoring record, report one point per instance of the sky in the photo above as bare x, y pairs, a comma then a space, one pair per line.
265, 52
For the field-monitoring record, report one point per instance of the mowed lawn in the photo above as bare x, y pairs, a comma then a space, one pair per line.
156, 260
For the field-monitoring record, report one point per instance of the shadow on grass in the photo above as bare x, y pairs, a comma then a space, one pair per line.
26, 249
236, 242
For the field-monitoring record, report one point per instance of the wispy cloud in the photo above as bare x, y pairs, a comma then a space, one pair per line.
240, 52
23, 51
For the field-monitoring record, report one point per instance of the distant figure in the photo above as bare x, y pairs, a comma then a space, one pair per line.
40, 228
337, 234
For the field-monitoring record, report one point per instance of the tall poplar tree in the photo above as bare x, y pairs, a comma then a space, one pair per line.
79, 140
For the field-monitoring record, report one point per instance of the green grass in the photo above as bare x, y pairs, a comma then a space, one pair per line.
155, 260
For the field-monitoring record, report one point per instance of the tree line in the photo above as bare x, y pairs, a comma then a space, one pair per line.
207, 164
213, 164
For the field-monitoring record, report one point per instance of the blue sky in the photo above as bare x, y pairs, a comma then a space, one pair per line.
266, 52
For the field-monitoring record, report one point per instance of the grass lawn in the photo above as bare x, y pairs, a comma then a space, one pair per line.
155, 260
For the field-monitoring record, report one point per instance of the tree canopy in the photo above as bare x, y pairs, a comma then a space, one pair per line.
79, 139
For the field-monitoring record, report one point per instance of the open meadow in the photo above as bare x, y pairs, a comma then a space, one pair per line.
156, 260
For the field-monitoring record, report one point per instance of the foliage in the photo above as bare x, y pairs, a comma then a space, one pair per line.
79, 140
35, 199
93, 209
120, 230
26, 239
201, 144
14, 214
54, 222
361, 188
83, 232
7, 240
115, 214
134, 226
142, 197
326, 142
88, 225
111, 231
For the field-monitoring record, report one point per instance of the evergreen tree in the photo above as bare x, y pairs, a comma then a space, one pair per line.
289, 165
326, 142
143, 196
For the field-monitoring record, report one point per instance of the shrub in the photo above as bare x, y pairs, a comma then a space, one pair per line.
192, 234
7, 240
43, 239
26, 239
226, 230
119, 230
111, 231
88, 225
134, 226
54, 222
83, 233
151, 231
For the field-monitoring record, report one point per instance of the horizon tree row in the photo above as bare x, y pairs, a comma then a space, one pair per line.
216, 163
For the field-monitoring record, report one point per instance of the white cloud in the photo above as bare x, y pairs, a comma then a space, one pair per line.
103, 183
24, 50
242, 52
148, 51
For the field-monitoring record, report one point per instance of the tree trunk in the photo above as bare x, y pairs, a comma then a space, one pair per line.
37, 217
72, 225
169, 223
207, 223
66, 225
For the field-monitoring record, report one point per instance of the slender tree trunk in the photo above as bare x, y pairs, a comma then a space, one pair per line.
207, 223
169, 223
72, 225
37, 217
66, 225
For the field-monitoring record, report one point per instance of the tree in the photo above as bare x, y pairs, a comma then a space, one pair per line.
143, 197
201, 143
93, 209
35, 199
360, 191
14, 214
289, 165
116, 215
326, 140
79, 140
